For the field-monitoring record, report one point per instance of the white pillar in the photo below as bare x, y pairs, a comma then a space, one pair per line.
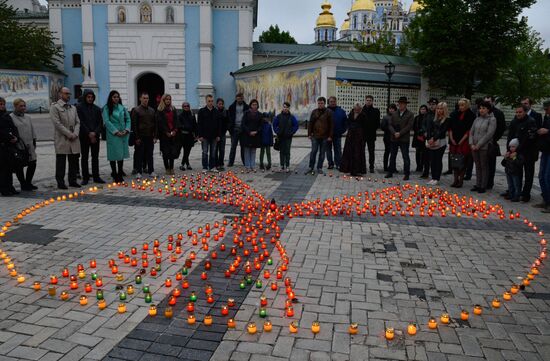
56, 27
246, 29
88, 47
205, 85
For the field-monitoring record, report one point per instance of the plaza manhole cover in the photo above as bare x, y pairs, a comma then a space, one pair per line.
34, 234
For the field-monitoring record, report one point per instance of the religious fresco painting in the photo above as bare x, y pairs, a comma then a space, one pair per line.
300, 88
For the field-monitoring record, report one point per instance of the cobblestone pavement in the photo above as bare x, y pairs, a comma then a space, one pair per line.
377, 271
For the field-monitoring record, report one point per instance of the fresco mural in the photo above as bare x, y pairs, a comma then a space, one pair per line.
38, 90
300, 88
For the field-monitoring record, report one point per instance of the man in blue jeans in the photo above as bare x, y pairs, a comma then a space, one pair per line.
339, 117
544, 172
400, 126
209, 131
320, 130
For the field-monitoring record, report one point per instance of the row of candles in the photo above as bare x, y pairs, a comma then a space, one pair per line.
313, 208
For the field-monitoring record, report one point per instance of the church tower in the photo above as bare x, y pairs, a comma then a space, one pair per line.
325, 28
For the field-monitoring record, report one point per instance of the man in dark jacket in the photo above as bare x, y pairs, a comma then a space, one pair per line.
8, 135
543, 135
209, 131
370, 128
320, 130
528, 104
400, 126
91, 122
494, 150
144, 126
524, 128
225, 122
339, 117
236, 112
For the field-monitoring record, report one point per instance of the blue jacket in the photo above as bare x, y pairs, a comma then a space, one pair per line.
339, 117
267, 134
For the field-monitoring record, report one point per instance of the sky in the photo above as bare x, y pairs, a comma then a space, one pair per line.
299, 16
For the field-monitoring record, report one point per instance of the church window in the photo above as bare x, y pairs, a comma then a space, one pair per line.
77, 61
145, 14
77, 91
169, 15
355, 21
121, 15
326, 35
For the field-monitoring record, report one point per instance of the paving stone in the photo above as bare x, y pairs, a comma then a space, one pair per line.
254, 348
194, 354
26, 352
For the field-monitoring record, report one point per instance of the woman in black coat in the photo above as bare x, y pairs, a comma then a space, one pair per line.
188, 124
419, 142
252, 134
168, 131
8, 136
353, 160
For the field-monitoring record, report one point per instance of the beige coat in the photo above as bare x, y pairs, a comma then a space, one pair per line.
23, 123
65, 121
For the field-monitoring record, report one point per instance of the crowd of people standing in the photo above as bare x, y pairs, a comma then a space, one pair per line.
470, 132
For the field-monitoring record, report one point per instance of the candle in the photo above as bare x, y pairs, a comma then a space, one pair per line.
148, 298
353, 328
411, 329
185, 283
390, 333
514, 289
290, 311
507, 296
204, 276
93, 263
51, 291
432, 323
268, 326
168, 282
168, 312
478, 310
251, 328
119, 277
101, 304
259, 283
83, 300
65, 272
293, 327
464, 315
73, 285
130, 289
445, 319
152, 310
122, 296
263, 312
274, 286
495, 303
81, 274
64, 295
36, 286
315, 327
145, 288
224, 310
193, 297
94, 276
231, 323
208, 320
53, 280
98, 282
99, 294
191, 319
21, 279
121, 307
230, 302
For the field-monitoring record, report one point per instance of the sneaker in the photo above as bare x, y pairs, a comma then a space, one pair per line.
309, 171
431, 182
287, 170
214, 170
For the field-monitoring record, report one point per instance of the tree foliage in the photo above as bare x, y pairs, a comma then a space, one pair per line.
383, 44
275, 35
527, 75
25, 46
462, 44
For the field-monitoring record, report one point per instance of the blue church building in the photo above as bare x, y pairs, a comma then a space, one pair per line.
186, 48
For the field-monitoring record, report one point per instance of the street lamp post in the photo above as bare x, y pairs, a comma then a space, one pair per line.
389, 68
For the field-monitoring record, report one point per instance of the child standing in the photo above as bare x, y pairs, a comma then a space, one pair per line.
513, 165
267, 143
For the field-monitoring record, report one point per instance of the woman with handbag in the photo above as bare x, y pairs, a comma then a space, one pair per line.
8, 137
23, 123
436, 134
460, 123
481, 136
118, 123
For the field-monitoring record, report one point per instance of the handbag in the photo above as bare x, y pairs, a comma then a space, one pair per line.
457, 160
18, 154
277, 144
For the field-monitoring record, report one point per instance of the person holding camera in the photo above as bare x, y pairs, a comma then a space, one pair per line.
524, 128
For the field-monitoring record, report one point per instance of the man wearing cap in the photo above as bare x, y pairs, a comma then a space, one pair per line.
543, 135
400, 126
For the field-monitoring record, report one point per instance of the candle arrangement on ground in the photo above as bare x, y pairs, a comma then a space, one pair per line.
254, 230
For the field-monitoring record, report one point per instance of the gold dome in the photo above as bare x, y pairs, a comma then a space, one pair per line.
415, 6
363, 5
326, 19
345, 25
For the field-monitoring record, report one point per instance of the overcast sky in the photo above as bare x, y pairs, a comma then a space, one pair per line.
298, 16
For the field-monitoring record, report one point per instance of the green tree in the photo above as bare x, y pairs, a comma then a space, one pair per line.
25, 46
462, 44
383, 44
527, 75
275, 35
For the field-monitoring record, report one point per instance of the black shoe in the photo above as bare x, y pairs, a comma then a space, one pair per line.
309, 171
448, 172
468, 178
389, 175
14, 191
123, 174
505, 194
134, 172
481, 190
26, 187
6, 194
62, 186
85, 181
525, 199
405, 178
266, 168
514, 200
262, 167
475, 189
424, 176
331, 167
189, 167
74, 184
32, 186
182, 167
99, 180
